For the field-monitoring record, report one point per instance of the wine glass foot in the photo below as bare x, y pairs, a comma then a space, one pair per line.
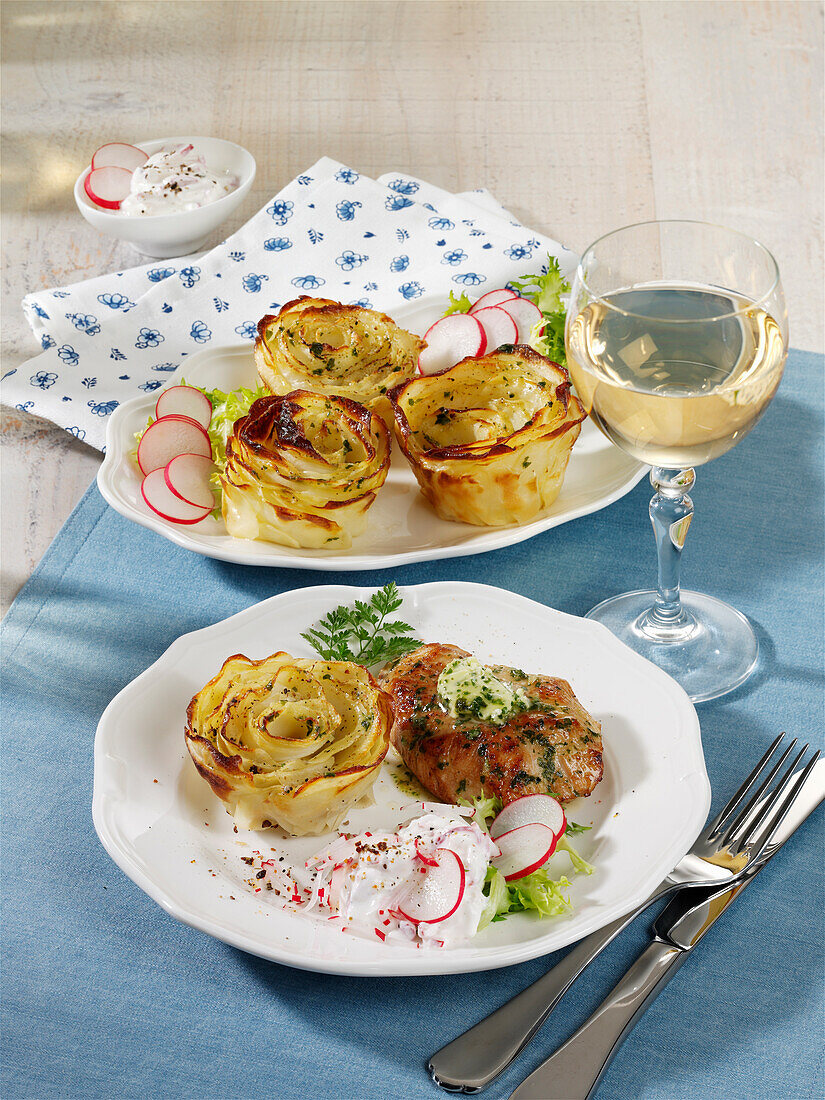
713, 650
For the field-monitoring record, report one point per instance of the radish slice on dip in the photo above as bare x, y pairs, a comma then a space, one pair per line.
492, 298
449, 341
530, 809
162, 500
438, 893
116, 154
499, 327
188, 478
169, 437
108, 187
524, 850
525, 314
185, 401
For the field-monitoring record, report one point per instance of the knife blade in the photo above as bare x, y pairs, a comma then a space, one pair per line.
574, 1071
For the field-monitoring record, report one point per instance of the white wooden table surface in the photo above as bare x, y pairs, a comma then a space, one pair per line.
579, 116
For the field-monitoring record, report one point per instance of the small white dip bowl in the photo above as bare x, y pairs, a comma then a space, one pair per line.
181, 232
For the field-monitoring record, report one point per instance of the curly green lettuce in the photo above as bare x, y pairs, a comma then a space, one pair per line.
546, 292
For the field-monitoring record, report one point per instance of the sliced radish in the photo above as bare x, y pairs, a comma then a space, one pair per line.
525, 314
524, 850
428, 860
169, 437
162, 500
530, 809
499, 327
492, 298
108, 186
185, 401
438, 893
188, 478
449, 340
116, 154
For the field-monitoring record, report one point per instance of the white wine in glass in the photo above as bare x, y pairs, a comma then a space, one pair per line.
676, 342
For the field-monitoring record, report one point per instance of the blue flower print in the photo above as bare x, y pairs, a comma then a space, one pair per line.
166, 308
399, 263
429, 206
370, 286
315, 235
147, 387
149, 338
469, 278
25, 406
396, 202
277, 244
304, 180
346, 175
280, 211
167, 368
60, 294
349, 260
364, 303
78, 433
189, 275
440, 223
43, 379
403, 187
455, 256
346, 210
252, 283
84, 322
402, 234
46, 341
518, 252
237, 256
116, 301
200, 332
220, 305
116, 354
103, 408
40, 312
411, 290
477, 233
248, 330
67, 353
307, 282
89, 383
158, 274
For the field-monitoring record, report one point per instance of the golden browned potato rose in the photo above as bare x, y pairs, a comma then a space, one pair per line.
489, 439
303, 470
288, 741
321, 345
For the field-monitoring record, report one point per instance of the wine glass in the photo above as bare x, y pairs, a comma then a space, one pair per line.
676, 338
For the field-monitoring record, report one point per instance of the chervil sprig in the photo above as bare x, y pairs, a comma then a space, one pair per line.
362, 633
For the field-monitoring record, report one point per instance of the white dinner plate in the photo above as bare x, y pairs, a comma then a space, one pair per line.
401, 526
164, 827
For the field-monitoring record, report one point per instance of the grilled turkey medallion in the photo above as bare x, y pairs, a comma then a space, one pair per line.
548, 744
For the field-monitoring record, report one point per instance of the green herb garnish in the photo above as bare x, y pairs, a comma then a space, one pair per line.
458, 305
545, 291
362, 633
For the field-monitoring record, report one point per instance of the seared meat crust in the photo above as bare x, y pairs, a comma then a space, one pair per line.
553, 748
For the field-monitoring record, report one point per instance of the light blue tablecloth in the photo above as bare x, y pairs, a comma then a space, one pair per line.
104, 995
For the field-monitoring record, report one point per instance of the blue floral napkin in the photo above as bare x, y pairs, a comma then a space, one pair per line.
331, 232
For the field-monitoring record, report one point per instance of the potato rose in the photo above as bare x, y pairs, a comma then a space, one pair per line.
346, 351
489, 439
289, 741
303, 470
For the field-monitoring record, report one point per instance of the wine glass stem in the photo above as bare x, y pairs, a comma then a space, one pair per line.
671, 511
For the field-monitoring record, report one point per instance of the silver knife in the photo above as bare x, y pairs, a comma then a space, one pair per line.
574, 1071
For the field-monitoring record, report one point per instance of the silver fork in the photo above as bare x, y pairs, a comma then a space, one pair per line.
734, 839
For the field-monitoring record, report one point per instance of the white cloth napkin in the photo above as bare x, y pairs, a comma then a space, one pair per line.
331, 232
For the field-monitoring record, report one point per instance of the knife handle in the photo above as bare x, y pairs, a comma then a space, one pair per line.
470, 1062
574, 1071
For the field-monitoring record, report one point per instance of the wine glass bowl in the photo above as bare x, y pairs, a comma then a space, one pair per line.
676, 339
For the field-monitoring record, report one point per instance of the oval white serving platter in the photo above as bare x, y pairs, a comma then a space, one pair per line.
164, 827
402, 527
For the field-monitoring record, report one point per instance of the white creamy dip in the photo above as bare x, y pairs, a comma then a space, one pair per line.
174, 180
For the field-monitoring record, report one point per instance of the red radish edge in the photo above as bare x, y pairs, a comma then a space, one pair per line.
154, 484
189, 474
530, 809
173, 452
108, 187
430, 862
493, 324
461, 882
492, 298
527, 834
449, 340
525, 314
119, 154
177, 399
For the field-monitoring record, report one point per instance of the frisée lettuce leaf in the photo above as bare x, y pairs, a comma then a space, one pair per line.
546, 291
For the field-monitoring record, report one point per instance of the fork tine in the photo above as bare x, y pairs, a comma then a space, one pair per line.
776, 808
733, 805
733, 832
